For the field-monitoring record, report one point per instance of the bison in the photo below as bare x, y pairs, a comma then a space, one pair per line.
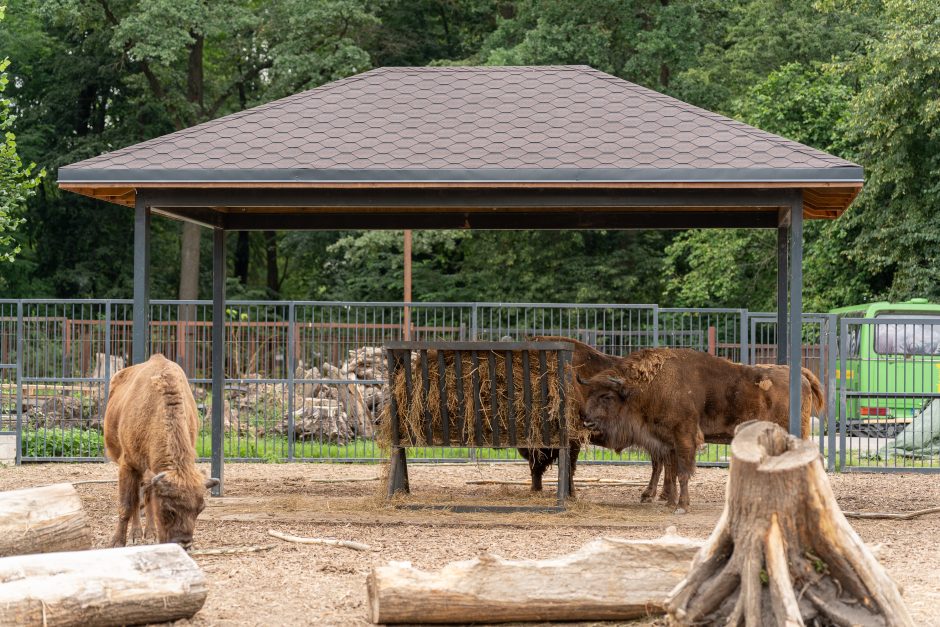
587, 362
665, 400
150, 425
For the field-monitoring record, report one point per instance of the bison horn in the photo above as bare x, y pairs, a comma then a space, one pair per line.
212, 482
615, 380
582, 381
157, 478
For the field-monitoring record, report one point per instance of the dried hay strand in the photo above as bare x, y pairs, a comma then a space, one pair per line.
425, 401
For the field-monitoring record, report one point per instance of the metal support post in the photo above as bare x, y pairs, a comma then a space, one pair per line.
782, 272
141, 279
796, 311
218, 355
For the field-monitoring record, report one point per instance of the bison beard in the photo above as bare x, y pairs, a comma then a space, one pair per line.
150, 425
665, 400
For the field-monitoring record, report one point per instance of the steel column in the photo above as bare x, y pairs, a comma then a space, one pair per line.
796, 311
782, 272
218, 355
141, 279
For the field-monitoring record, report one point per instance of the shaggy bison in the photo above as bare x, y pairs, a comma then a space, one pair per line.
150, 425
665, 400
587, 362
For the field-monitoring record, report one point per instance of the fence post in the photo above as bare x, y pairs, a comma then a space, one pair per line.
745, 339
655, 326
473, 322
843, 410
107, 359
291, 354
831, 336
19, 382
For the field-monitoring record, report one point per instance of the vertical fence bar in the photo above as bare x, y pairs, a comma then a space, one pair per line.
831, 346
291, 361
19, 382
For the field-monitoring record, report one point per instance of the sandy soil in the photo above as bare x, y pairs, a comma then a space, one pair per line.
295, 584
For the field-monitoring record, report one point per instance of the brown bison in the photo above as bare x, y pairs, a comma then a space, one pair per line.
587, 362
150, 425
665, 400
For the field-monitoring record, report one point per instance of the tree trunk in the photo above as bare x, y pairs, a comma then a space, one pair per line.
607, 579
189, 261
782, 552
270, 251
127, 586
42, 520
242, 257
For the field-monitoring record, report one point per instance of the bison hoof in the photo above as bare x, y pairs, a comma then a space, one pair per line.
646, 498
536, 488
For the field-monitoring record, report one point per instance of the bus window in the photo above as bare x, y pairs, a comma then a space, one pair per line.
907, 339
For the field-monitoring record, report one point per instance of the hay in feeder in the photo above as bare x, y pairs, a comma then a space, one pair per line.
420, 415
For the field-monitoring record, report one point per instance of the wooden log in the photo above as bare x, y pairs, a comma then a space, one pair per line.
350, 397
43, 520
782, 552
606, 579
127, 586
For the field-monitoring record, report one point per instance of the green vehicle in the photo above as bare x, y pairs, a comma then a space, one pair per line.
894, 362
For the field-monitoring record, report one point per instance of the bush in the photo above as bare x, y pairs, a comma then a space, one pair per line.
57, 442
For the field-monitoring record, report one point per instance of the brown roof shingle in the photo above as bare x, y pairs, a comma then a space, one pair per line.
556, 123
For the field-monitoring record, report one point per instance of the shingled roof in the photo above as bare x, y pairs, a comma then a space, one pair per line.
550, 124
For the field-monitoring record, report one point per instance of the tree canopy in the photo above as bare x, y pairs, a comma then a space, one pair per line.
857, 78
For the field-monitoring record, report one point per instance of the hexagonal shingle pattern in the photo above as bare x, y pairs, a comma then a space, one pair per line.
467, 118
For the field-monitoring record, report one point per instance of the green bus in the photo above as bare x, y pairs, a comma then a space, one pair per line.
894, 362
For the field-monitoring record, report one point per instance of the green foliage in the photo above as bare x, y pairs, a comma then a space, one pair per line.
856, 78
17, 182
57, 442
897, 129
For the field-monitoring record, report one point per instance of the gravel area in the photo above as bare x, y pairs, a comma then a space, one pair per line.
294, 584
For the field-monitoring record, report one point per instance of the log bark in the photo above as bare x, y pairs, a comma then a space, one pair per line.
607, 579
355, 405
126, 586
782, 552
43, 520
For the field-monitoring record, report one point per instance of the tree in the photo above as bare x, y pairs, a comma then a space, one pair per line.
896, 123
17, 182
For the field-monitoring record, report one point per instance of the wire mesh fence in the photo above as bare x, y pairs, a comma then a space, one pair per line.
305, 380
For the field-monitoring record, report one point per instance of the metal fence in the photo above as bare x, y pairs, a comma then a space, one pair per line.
304, 380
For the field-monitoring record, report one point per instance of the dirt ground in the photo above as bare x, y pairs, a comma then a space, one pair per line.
294, 584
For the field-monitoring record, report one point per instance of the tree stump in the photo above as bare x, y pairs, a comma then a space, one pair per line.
43, 520
782, 553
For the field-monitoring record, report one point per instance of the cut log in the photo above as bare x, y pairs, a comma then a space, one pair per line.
607, 579
359, 415
43, 520
127, 586
783, 552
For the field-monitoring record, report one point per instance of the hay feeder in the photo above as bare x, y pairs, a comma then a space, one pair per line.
479, 394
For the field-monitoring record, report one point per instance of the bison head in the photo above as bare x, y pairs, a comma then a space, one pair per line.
604, 402
175, 501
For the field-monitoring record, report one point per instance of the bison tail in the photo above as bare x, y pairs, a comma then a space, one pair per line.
819, 399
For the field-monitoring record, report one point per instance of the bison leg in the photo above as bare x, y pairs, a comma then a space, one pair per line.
670, 491
129, 502
650, 490
685, 466
539, 461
